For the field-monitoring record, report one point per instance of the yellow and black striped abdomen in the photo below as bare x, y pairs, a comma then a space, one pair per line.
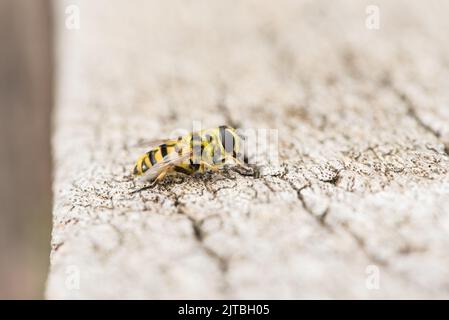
152, 157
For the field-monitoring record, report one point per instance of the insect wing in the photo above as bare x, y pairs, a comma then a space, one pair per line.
169, 160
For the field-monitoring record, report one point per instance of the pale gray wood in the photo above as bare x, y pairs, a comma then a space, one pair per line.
363, 134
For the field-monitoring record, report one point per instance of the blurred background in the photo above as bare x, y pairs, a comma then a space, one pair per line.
25, 160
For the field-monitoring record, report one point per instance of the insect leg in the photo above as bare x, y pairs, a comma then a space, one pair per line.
249, 170
208, 166
152, 184
144, 187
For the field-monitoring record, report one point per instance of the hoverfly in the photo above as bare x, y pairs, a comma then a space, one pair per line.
194, 152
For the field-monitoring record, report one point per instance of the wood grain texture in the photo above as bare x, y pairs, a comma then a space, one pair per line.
363, 134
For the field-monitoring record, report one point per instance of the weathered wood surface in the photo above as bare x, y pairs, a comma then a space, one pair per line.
363, 133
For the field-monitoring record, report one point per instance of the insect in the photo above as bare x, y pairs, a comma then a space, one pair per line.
194, 152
